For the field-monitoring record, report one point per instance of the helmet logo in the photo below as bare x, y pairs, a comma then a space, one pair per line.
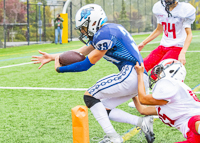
85, 13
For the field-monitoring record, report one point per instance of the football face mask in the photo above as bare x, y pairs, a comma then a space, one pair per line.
166, 4
84, 33
168, 68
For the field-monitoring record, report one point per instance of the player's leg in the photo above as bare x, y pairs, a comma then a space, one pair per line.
100, 113
118, 115
172, 53
154, 58
115, 85
60, 35
56, 36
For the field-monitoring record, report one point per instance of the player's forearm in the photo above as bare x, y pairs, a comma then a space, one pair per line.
143, 109
85, 50
76, 67
187, 43
153, 35
141, 89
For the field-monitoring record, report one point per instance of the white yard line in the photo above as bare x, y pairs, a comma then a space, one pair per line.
16, 65
32, 62
45, 88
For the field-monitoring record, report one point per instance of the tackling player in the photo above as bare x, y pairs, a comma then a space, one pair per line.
174, 19
116, 45
175, 103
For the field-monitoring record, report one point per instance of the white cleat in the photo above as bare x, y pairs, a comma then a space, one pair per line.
131, 104
146, 125
112, 138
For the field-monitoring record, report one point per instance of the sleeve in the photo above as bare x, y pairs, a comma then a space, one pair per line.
156, 11
164, 89
189, 16
158, 19
103, 40
61, 19
76, 67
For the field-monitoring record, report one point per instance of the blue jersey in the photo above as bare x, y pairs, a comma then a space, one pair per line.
122, 49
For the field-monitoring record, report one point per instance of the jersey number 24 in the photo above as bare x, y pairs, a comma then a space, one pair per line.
169, 27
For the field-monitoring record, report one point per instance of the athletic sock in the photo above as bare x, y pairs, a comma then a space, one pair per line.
123, 117
99, 112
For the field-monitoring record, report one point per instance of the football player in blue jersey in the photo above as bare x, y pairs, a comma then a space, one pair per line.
116, 45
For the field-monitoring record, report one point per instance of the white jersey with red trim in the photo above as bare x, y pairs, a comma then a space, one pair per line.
182, 103
183, 15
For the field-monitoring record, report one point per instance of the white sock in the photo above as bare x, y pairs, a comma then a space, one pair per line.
123, 117
199, 129
100, 113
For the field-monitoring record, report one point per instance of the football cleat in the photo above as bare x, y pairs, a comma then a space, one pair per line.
131, 104
112, 138
146, 125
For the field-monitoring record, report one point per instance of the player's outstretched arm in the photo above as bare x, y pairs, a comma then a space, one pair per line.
143, 109
143, 98
85, 50
84, 65
44, 58
153, 35
188, 40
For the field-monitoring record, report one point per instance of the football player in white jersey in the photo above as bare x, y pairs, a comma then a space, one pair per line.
175, 103
116, 45
174, 19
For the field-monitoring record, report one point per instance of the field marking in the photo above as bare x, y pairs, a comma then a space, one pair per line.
46, 88
59, 52
16, 65
196, 88
130, 133
69, 46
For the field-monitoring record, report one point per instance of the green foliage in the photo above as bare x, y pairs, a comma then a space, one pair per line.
123, 13
89, 1
20, 37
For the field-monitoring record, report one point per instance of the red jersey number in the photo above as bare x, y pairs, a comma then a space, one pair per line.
165, 119
169, 28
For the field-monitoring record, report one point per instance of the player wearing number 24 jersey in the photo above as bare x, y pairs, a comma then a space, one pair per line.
174, 19
175, 103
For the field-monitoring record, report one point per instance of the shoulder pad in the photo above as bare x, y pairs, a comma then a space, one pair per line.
158, 9
165, 88
187, 11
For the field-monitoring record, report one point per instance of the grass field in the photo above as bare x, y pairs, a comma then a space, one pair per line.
30, 115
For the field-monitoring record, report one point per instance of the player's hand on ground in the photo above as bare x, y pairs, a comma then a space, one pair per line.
45, 58
139, 68
141, 46
181, 58
57, 63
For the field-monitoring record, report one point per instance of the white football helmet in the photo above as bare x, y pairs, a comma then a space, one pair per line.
91, 16
169, 68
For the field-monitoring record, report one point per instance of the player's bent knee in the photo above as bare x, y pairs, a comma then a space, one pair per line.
108, 111
90, 100
192, 123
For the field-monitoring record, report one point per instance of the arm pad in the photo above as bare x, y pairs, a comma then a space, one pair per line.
76, 67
